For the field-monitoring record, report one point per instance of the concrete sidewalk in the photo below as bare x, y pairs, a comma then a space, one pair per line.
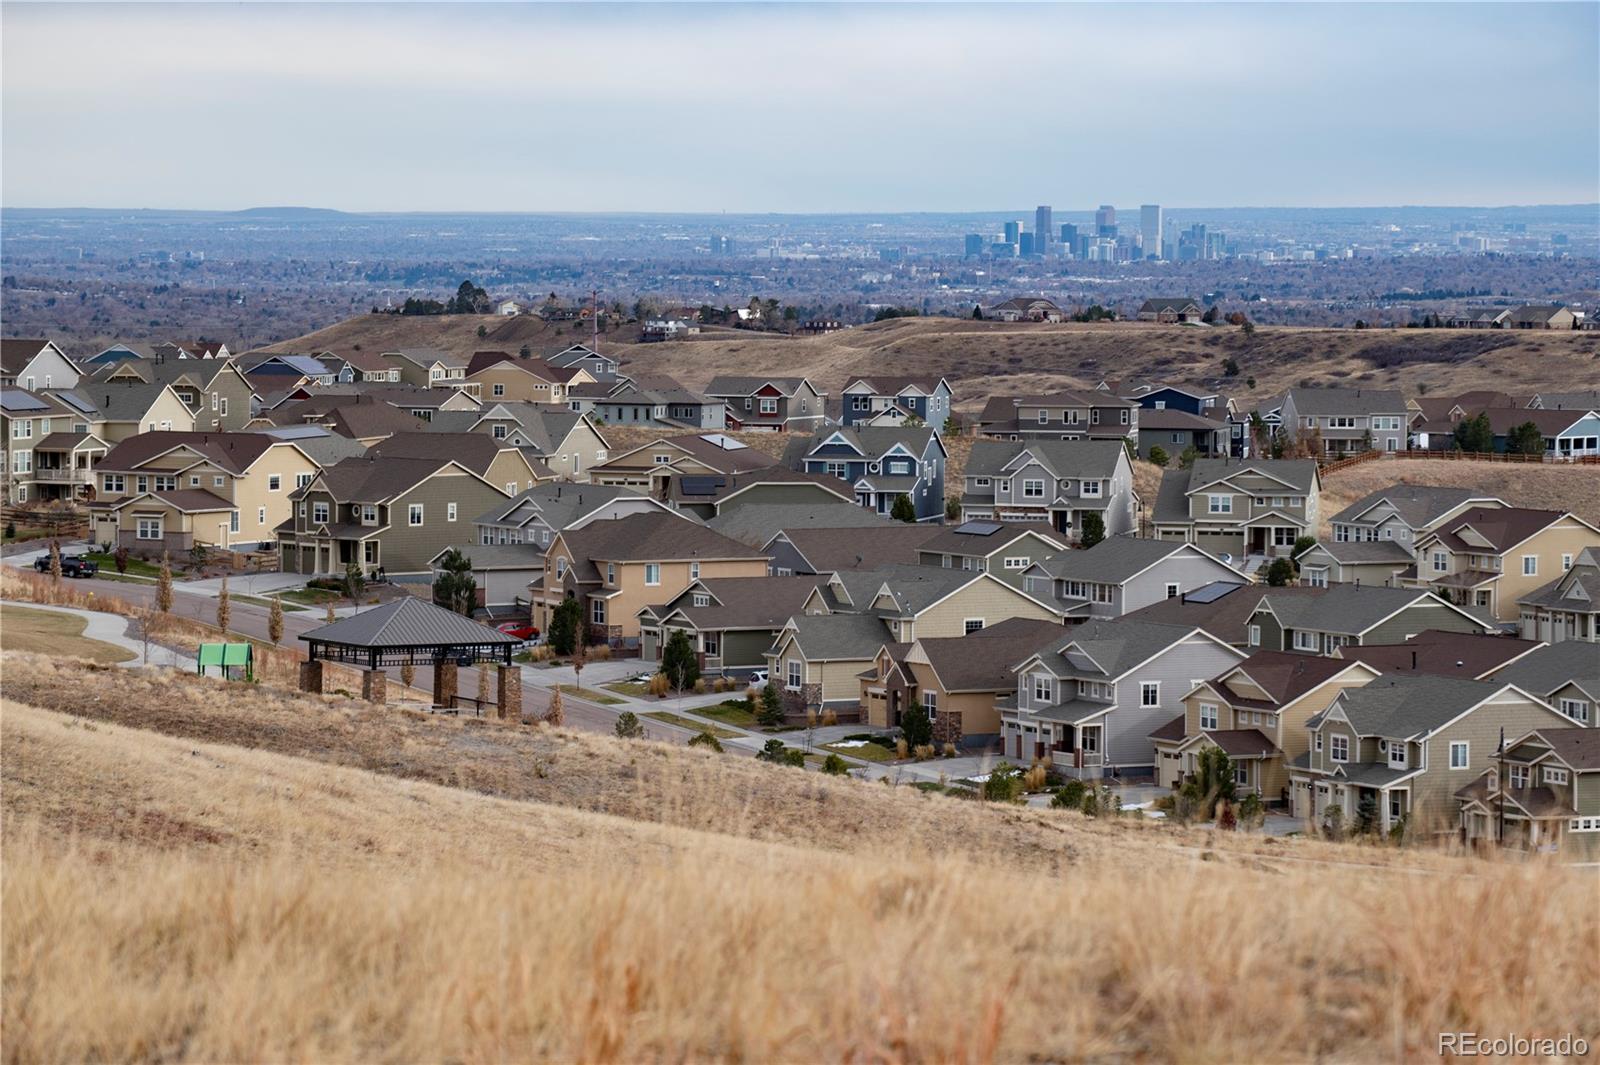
113, 629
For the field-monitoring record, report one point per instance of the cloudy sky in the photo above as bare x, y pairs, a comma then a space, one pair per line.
768, 107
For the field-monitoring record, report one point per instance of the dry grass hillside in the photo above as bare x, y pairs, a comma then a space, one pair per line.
1543, 487
989, 358
204, 872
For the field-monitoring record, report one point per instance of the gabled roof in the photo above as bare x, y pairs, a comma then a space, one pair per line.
1418, 505
1002, 409
858, 547
1172, 418
984, 538
731, 385
234, 452
885, 385
483, 360
121, 401
1283, 676
753, 523
913, 588
873, 442
1547, 669
1352, 609
426, 357
1325, 401
1222, 609
1576, 590
475, 451
558, 504
654, 537
366, 480
1578, 748
1502, 528
1407, 706
837, 637
716, 450
1115, 559
1299, 475
741, 602
544, 425
1114, 647
1064, 459
724, 488
1444, 654
982, 660
1167, 303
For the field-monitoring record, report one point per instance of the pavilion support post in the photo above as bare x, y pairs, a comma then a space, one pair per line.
509, 691
311, 676
445, 682
375, 686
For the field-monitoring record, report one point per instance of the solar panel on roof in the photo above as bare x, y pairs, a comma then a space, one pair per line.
702, 486
72, 399
979, 528
1211, 592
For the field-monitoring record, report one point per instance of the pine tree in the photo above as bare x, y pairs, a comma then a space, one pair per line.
678, 661
1093, 531
903, 509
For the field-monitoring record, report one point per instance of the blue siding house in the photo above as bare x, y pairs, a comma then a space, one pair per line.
881, 463
889, 401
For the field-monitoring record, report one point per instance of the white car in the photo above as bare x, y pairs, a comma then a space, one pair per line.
758, 679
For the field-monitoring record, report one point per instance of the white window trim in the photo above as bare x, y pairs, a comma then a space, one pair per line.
1466, 754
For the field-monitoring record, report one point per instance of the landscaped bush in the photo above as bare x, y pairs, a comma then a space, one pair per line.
700, 685
835, 766
922, 752
600, 652
1037, 776
1069, 796
658, 685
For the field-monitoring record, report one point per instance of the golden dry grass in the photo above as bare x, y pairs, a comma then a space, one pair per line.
167, 899
46, 632
1544, 487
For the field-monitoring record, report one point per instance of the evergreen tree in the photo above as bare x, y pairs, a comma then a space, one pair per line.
771, 713
1093, 531
903, 509
455, 588
678, 661
565, 621
1158, 455
1281, 573
915, 726
1475, 435
628, 726
1525, 439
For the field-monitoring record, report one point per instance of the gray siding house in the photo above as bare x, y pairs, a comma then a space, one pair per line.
1057, 482
1122, 574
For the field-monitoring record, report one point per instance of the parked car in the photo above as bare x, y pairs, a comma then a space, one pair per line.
71, 565
525, 631
758, 679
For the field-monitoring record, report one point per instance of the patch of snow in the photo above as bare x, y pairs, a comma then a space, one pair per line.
850, 743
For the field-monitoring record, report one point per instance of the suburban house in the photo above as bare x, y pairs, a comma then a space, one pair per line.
1121, 574
538, 514
1565, 675
1374, 539
819, 658
1347, 421
1026, 309
882, 464
1205, 405
1088, 704
171, 491
1169, 309
1353, 614
719, 495
783, 404
1058, 482
428, 367
807, 549
501, 572
1473, 655
1541, 316
428, 404
889, 400
215, 391
395, 515
650, 467
1177, 431
263, 366
753, 523
1256, 712
921, 601
582, 357
51, 446
1238, 509
1490, 558
365, 419
1542, 794
658, 402
1397, 750
191, 349
618, 567
957, 679
1225, 609
501, 464
496, 376
1434, 418
1568, 432
33, 365
1588, 399
1003, 548
730, 621
1480, 318
567, 442
1568, 608
1064, 415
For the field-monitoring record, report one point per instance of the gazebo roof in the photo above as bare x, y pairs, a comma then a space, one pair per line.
408, 624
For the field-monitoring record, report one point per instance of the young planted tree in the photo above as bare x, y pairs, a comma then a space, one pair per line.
1211, 783
1281, 573
408, 673
556, 714
164, 585
55, 563
628, 726
275, 621
1093, 531
771, 713
915, 726
706, 740
224, 609
120, 558
328, 615
355, 582
903, 509
678, 661
1475, 435
1159, 456
564, 623
455, 588
1525, 439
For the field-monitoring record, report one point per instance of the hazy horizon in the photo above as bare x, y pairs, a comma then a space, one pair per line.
790, 109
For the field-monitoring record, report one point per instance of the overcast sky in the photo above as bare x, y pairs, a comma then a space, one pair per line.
797, 108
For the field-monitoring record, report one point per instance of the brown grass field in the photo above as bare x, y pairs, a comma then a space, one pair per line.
46, 632
198, 871
1543, 487
982, 359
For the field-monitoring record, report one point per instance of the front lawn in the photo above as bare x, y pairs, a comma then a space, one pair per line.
310, 596
667, 717
628, 687
730, 712
137, 567
865, 746
589, 694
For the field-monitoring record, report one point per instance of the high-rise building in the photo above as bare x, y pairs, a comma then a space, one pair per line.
1043, 228
1025, 244
1150, 229
975, 243
721, 245
1105, 221
1013, 233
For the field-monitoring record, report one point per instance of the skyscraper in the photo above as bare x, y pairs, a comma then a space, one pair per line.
1069, 239
1150, 229
1105, 221
975, 245
1013, 233
1026, 245
1043, 229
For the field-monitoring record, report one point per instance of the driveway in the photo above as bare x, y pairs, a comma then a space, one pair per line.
244, 584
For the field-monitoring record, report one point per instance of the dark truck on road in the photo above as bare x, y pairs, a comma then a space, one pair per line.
71, 565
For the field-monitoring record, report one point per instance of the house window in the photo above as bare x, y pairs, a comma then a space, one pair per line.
1020, 562
1219, 504
1089, 489
498, 431
1518, 776
1043, 689
1241, 775
769, 405
1305, 641
1316, 578
1566, 563
652, 573
1530, 565
1555, 775
22, 429
112, 482
218, 481
1397, 754
1339, 748
1150, 693
930, 703
561, 567
792, 681
1255, 636
194, 480
302, 479
1032, 489
274, 482
166, 483
414, 514
1584, 824
1208, 716
1317, 742
694, 571
701, 599
1577, 709
1440, 562
1173, 591
148, 529
319, 513
971, 625
597, 612
709, 644
1459, 754
497, 390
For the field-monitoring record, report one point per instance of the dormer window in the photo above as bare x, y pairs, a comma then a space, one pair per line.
701, 599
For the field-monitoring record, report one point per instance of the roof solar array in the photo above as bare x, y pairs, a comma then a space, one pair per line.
1210, 593
979, 528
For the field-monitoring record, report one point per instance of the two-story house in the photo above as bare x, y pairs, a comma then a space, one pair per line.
503, 465
215, 391
887, 400
656, 401
51, 446
773, 490
832, 544
568, 443
650, 467
429, 367
1236, 510
1088, 704
1064, 415
922, 601
1374, 540
616, 568
730, 621
1122, 574
782, 404
392, 514
1256, 712
1541, 794
1210, 407
1490, 558
1348, 421
1565, 675
36, 364
499, 376
1006, 549
1054, 481
1568, 608
1354, 614
1397, 750
882, 464
169, 491
582, 357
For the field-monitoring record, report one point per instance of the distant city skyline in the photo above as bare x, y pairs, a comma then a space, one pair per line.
795, 109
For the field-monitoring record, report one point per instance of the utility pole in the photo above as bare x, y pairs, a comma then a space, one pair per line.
594, 319
1501, 831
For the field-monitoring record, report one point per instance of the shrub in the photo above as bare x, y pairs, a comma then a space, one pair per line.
1093, 531
408, 672
700, 685
835, 766
1036, 777
915, 726
771, 713
1227, 820
706, 740
1159, 456
1281, 573
1252, 812
599, 652
902, 749
1090, 804
628, 726
775, 752
1069, 796
556, 713
830, 717
903, 509
565, 621
1004, 783
949, 750
658, 685
922, 752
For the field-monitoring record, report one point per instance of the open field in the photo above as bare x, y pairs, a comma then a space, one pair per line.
1545, 487
989, 358
181, 898
46, 632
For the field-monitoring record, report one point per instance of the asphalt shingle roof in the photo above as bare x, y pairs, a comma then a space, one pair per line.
1543, 671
